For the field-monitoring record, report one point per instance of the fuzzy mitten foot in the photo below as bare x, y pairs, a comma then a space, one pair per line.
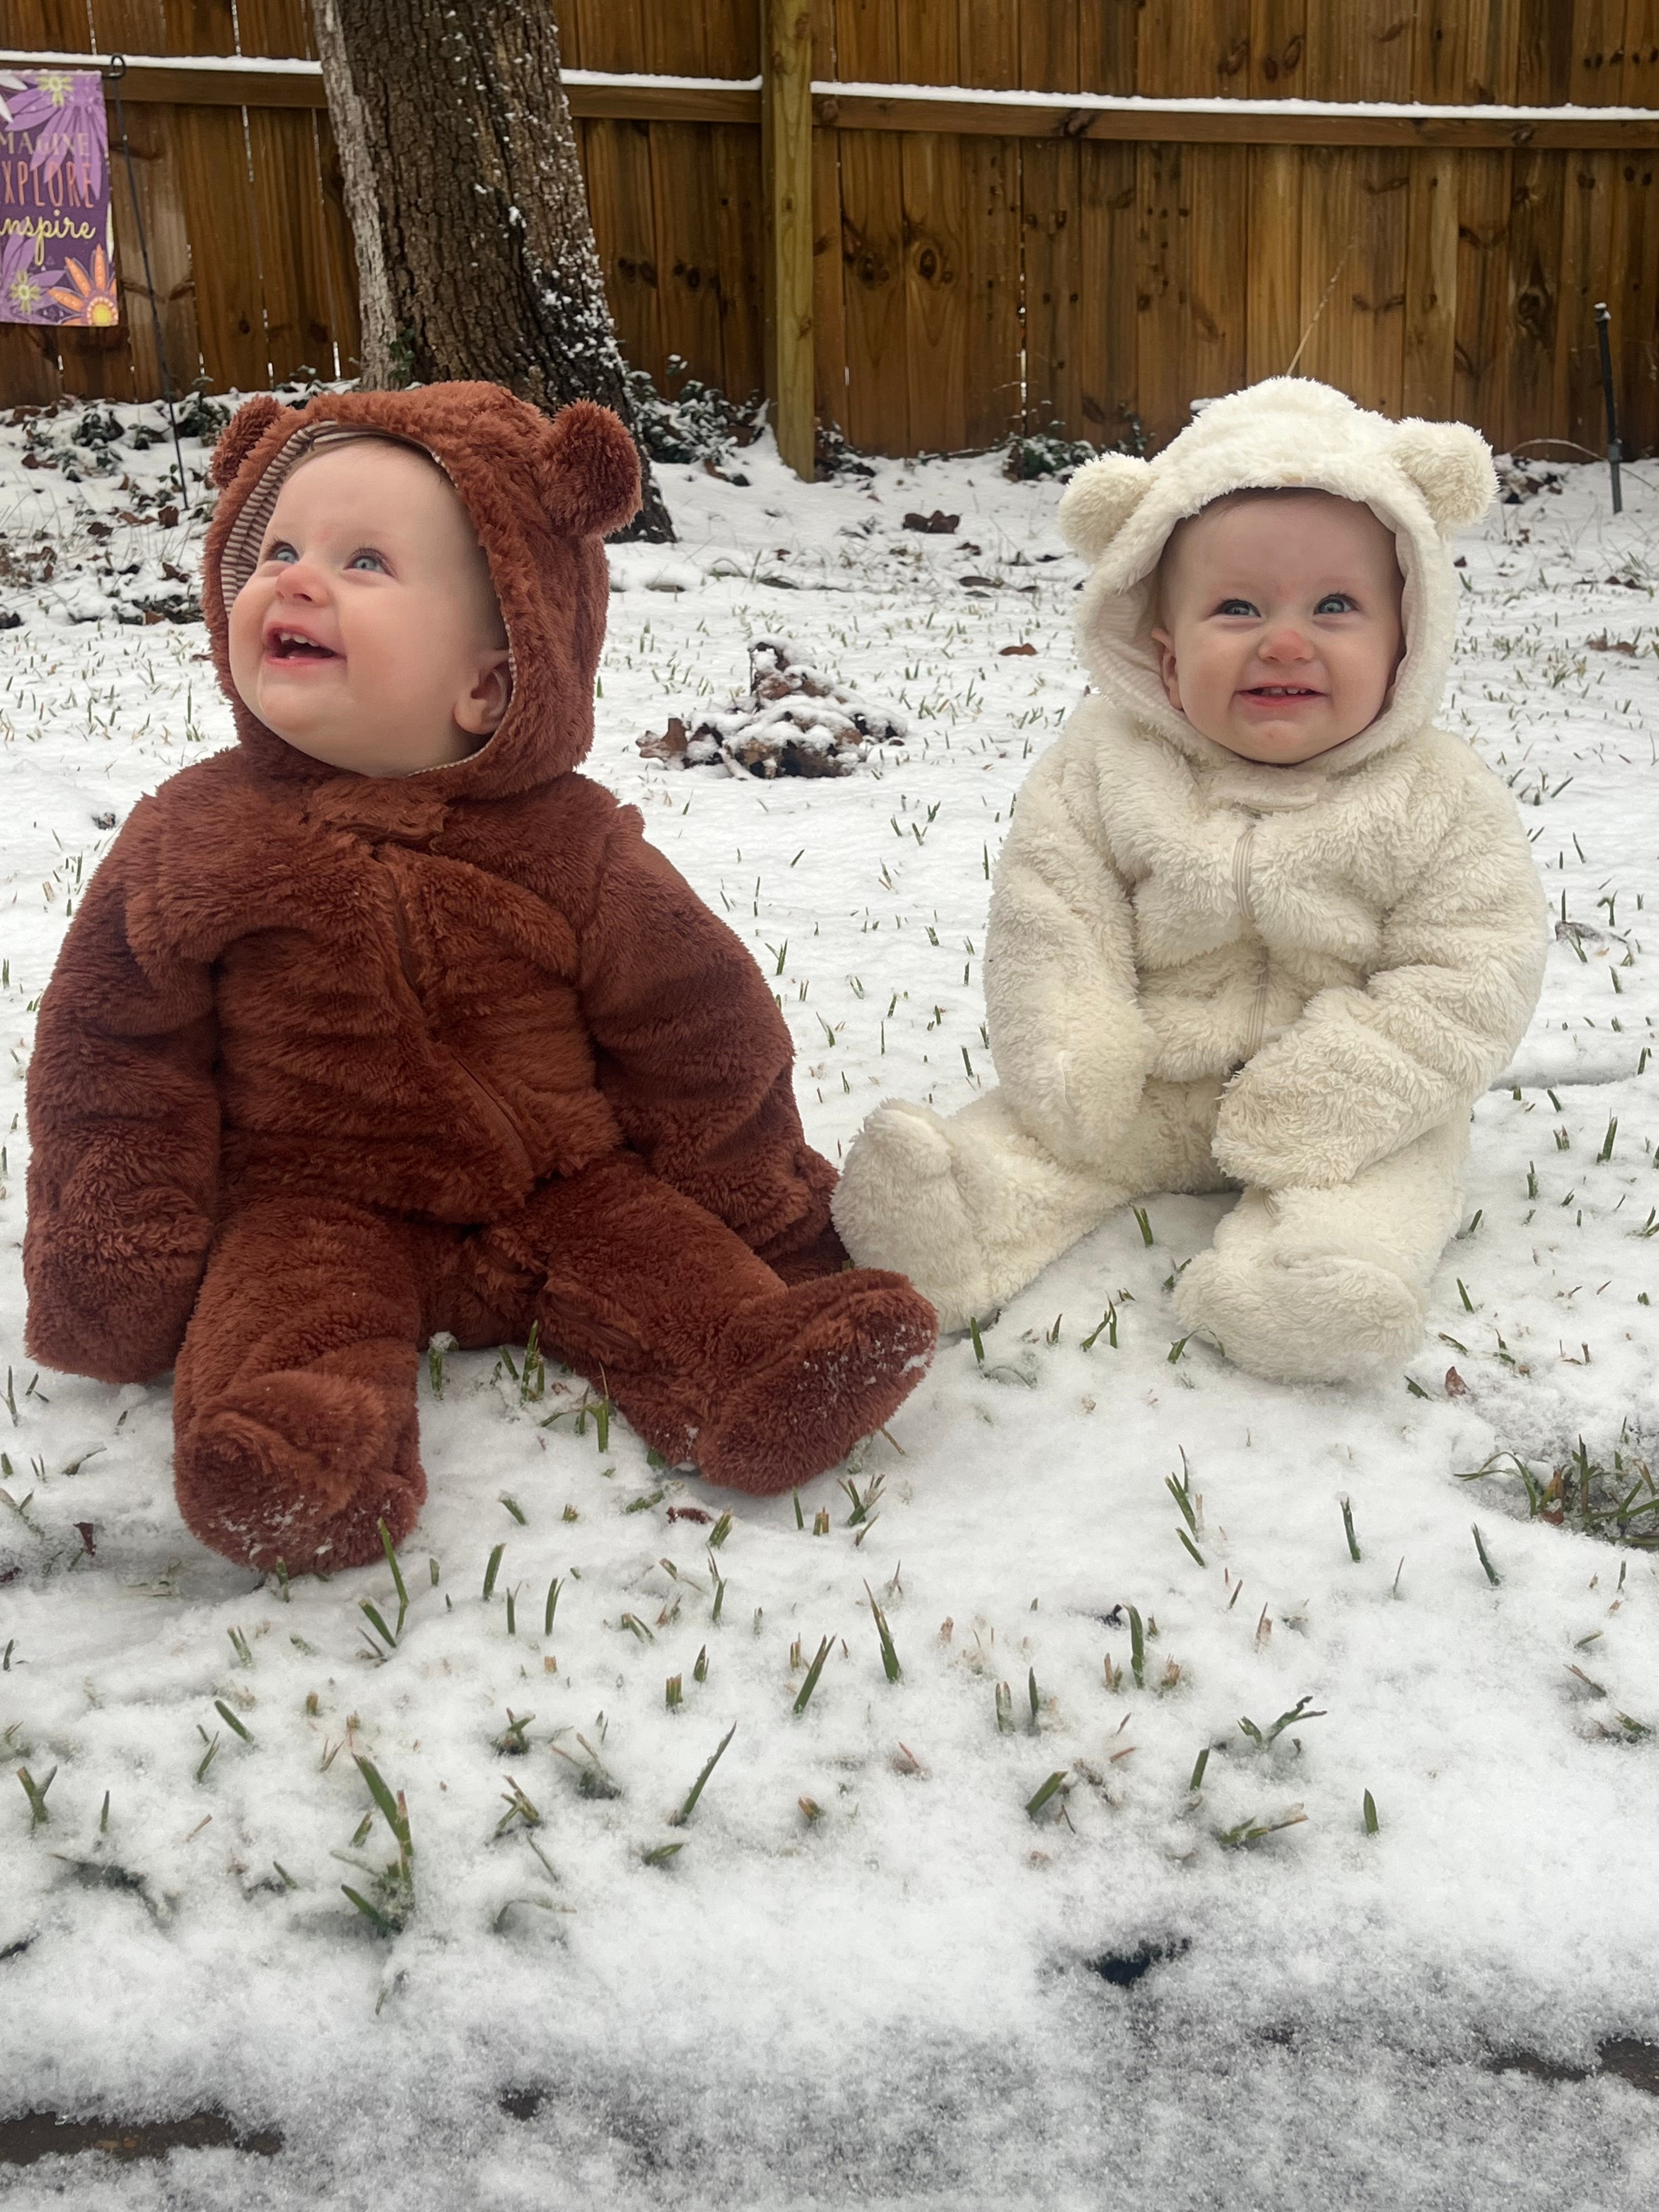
1303, 1316
302, 1467
803, 1376
900, 1205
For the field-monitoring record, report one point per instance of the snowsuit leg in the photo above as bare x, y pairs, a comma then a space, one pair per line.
1330, 1286
294, 1397
708, 1353
972, 1208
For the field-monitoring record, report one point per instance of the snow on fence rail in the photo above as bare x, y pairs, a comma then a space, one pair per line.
1425, 224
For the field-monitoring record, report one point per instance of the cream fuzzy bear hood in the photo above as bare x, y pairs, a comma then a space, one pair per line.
1422, 480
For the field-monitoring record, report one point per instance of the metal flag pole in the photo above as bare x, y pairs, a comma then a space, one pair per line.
113, 75
1614, 456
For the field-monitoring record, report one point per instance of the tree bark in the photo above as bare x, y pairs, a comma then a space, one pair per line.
475, 251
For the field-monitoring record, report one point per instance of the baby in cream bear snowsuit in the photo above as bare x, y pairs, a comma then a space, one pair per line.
1258, 924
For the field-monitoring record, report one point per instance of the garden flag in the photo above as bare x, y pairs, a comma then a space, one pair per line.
57, 242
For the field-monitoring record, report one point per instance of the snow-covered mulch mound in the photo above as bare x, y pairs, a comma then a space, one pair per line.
794, 719
1061, 1884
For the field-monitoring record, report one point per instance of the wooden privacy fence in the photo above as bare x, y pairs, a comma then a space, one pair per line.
952, 220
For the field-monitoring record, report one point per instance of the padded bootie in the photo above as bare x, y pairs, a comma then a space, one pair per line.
1303, 1316
781, 1388
899, 1204
302, 1467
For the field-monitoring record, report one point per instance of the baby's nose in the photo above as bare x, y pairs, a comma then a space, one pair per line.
1286, 641
298, 579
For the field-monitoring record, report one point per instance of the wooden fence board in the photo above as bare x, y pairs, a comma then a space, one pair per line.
600, 34
1354, 224
1053, 278
874, 289
617, 161
218, 199
828, 304
1107, 39
987, 45
1195, 51
738, 260
1544, 33
877, 410
1107, 321
994, 405
1633, 266
935, 232
1279, 50
1364, 51
1482, 313
1537, 342
1640, 85
1597, 63
1048, 46
687, 228
1206, 341
1274, 320
1587, 219
936, 296
1428, 384
1377, 300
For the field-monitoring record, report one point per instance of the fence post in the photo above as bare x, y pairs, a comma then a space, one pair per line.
787, 163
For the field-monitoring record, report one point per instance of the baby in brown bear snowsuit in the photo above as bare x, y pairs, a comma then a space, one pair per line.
384, 1022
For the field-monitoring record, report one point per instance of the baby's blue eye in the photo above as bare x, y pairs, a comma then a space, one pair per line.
280, 552
1235, 607
366, 559
1335, 602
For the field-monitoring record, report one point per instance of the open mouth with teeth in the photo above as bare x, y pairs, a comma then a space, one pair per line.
289, 645
1279, 693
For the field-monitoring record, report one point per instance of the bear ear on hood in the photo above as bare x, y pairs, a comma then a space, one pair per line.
241, 435
1451, 467
1099, 500
587, 471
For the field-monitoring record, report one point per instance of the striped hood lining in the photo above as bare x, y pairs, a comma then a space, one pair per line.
240, 555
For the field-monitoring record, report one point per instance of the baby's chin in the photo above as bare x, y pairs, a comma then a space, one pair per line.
1289, 744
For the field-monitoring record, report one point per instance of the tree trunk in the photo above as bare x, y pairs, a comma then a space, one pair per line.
475, 251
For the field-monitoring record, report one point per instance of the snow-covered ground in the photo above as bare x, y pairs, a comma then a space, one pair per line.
871, 1966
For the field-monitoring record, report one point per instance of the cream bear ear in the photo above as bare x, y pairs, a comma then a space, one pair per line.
1451, 467
1099, 500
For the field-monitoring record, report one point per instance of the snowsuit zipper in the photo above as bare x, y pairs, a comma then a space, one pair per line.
1255, 1029
494, 1112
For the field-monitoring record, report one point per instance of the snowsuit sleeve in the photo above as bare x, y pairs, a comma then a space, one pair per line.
1071, 1043
1364, 1071
693, 1055
123, 1127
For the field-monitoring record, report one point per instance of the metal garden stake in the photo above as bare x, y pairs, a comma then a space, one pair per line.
1603, 320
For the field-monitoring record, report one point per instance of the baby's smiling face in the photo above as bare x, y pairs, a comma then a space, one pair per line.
1281, 631
369, 636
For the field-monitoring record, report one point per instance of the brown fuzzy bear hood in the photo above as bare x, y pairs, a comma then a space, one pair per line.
541, 494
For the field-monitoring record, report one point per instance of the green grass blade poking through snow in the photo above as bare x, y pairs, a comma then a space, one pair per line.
890, 1658
813, 1674
679, 1819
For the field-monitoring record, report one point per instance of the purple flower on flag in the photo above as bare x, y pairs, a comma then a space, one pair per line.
23, 288
64, 108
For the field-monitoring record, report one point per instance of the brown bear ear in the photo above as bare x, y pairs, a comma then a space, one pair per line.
241, 435
589, 471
